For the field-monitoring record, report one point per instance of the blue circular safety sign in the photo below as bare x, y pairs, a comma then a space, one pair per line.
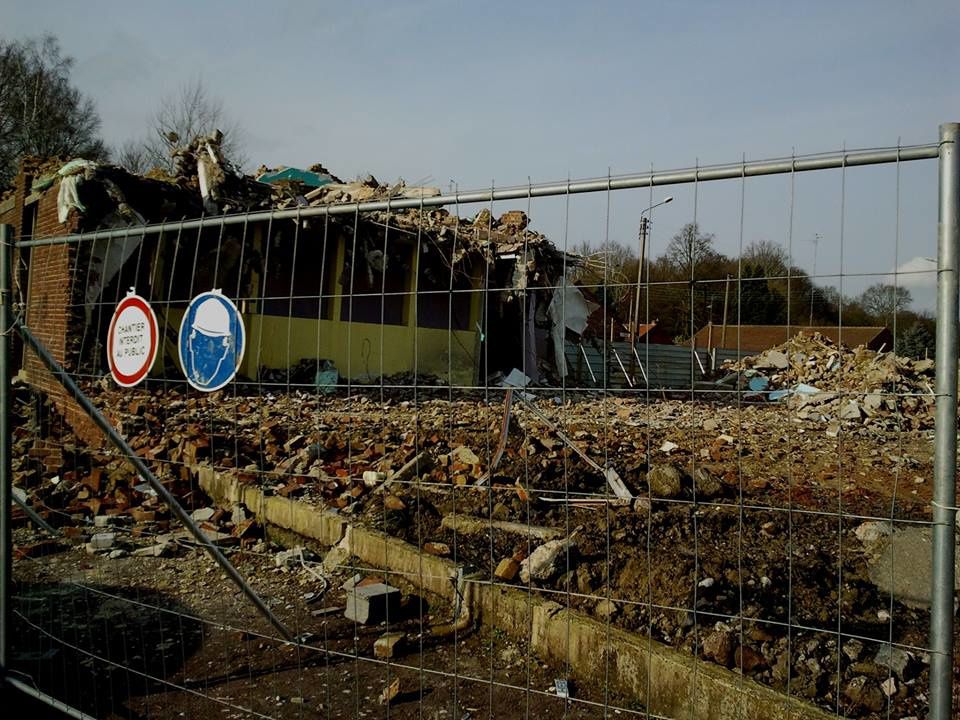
211, 342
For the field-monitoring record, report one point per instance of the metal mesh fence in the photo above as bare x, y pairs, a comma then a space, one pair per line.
561, 450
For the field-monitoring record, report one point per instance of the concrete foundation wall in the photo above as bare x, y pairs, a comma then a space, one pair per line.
669, 682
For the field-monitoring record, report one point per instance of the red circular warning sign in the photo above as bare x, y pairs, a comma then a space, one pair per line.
132, 340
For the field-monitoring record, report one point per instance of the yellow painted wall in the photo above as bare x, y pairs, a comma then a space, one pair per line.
356, 348
361, 351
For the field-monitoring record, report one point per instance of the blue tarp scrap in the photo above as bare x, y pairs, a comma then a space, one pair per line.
290, 174
327, 377
799, 389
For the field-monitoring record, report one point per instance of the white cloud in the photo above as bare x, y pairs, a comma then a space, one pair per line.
918, 272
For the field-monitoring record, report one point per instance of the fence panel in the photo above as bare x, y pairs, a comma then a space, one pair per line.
426, 456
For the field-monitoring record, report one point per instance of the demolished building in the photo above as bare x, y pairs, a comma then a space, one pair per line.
416, 292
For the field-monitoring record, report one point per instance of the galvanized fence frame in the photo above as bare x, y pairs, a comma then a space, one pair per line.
944, 504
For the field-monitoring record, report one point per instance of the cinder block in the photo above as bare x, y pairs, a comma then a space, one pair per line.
372, 604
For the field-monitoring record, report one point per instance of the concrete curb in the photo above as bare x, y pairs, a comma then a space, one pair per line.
669, 682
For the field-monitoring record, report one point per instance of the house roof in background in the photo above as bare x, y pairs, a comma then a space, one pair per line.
754, 338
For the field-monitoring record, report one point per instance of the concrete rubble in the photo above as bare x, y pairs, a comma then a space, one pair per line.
819, 379
371, 604
546, 560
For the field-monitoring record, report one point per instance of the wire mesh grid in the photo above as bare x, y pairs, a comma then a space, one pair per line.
481, 470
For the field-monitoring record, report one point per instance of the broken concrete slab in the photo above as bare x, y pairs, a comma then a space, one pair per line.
897, 660
772, 360
543, 562
372, 604
668, 681
469, 525
337, 556
102, 541
899, 561
851, 411
212, 536
158, 550
202, 514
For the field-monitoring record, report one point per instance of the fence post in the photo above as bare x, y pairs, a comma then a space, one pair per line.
945, 457
6, 537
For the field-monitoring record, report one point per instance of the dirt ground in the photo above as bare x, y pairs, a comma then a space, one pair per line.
172, 626
752, 561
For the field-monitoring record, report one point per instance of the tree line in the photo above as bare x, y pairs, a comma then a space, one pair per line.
692, 284
43, 115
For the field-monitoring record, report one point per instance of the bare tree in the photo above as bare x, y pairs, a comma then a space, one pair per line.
883, 300
41, 113
132, 155
181, 117
689, 248
765, 257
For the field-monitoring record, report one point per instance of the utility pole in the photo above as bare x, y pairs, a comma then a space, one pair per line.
813, 278
710, 326
726, 302
644, 230
642, 237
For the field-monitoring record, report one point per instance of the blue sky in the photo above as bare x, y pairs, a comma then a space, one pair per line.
475, 93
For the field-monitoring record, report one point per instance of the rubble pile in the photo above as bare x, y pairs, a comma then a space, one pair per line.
833, 382
423, 470
338, 451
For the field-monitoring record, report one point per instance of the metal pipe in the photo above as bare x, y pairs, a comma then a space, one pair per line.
140, 466
850, 158
640, 365
945, 452
587, 361
6, 476
41, 696
34, 515
620, 363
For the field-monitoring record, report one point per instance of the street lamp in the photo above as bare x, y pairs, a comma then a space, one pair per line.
644, 229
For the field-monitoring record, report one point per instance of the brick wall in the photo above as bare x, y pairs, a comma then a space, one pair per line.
53, 301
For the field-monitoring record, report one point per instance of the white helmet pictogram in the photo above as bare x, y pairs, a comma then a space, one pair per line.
212, 318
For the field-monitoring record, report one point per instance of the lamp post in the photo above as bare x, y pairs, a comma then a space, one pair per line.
644, 230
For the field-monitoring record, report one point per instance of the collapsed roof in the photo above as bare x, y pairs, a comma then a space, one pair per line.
203, 183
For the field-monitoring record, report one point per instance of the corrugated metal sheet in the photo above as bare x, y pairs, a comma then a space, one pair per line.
665, 366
